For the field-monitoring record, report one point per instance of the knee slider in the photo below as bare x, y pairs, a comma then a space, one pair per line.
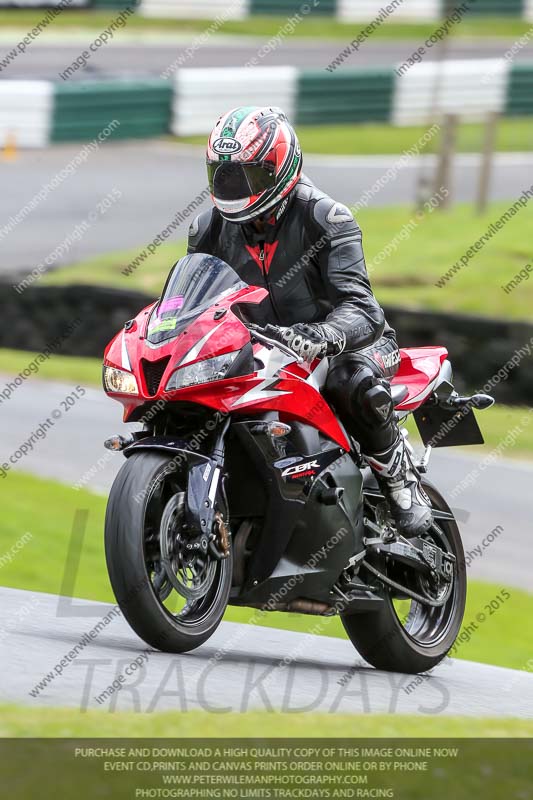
377, 405
360, 384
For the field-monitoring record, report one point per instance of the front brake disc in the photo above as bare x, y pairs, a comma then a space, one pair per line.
190, 571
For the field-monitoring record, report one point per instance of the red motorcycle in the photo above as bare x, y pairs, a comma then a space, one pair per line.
244, 488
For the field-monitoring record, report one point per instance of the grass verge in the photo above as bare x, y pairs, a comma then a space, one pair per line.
19, 721
504, 639
514, 135
69, 369
321, 27
421, 252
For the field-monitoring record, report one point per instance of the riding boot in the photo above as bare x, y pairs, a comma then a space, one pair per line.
409, 505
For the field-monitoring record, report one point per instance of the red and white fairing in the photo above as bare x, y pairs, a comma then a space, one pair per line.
278, 383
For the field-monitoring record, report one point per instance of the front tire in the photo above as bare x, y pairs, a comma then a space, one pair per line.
421, 640
142, 501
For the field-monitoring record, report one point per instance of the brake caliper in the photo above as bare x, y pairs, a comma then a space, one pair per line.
220, 544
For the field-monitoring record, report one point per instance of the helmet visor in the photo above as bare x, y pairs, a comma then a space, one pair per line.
232, 180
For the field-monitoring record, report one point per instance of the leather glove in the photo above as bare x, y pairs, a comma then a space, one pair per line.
309, 340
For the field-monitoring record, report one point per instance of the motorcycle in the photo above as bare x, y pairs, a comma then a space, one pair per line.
243, 487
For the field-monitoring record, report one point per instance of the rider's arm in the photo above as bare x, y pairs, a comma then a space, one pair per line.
341, 259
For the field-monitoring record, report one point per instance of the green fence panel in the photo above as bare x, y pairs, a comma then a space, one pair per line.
288, 8
495, 8
520, 91
112, 4
83, 109
326, 98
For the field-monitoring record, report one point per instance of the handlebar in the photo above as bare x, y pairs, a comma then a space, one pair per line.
257, 333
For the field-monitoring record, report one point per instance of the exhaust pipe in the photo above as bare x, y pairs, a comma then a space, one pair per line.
298, 606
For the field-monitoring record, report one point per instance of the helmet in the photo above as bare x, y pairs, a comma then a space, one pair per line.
254, 161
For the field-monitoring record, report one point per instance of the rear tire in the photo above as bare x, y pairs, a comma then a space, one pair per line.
382, 639
132, 520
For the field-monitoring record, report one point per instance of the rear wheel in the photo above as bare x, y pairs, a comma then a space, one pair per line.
407, 635
172, 592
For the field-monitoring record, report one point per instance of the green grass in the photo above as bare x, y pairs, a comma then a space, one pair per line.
70, 369
406, 278
505, 639
409, 275
264, 26
514, 135
106, 270
19, 721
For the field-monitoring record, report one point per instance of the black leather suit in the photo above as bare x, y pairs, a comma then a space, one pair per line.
311, 261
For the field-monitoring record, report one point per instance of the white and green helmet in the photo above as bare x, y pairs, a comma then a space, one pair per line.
254, 160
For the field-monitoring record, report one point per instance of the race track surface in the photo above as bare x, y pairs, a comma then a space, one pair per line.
148, 55
239, 669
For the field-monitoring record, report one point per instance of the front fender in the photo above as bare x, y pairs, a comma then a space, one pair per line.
202, 477
166, 444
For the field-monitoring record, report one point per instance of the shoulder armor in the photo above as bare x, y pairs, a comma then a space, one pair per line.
199, 230
336, 221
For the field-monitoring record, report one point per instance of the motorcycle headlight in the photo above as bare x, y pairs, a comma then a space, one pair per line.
119, 381
212, 369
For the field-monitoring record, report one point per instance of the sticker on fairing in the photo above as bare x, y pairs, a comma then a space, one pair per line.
299, 470
172, 304
164, 325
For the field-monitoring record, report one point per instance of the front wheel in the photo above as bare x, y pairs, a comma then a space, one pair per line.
172, 595
406, 635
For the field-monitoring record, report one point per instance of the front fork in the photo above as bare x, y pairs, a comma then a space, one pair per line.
205, 482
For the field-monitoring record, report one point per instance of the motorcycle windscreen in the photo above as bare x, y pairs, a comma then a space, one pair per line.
196, 282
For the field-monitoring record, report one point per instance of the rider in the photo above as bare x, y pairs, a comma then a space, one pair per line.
279, 231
